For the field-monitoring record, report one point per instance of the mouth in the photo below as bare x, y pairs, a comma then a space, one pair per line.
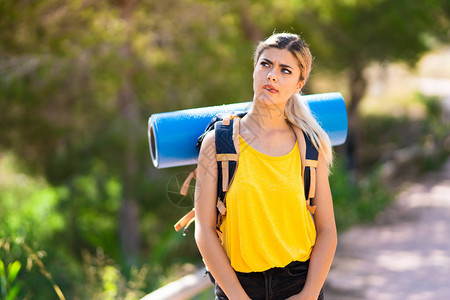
271, 89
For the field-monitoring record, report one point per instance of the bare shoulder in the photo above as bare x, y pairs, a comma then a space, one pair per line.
209, 144
207, 169
207, 156
206, 184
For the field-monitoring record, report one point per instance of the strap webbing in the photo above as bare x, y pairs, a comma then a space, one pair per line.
227, 154
309, 175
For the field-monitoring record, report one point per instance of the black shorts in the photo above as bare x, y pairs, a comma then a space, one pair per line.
275, 283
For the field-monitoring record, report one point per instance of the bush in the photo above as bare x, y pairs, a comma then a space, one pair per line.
357, 202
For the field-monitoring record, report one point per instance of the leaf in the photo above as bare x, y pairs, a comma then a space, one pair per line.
2, 280
13, 292
59, 292
2, 269
13, 270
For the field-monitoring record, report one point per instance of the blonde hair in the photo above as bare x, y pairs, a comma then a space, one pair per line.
296, 111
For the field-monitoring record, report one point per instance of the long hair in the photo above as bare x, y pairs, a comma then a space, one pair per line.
296, 111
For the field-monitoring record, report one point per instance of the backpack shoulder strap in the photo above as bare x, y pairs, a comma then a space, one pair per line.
309, 173
227, 155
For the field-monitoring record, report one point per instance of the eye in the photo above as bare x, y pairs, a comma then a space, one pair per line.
264, 64
286, 71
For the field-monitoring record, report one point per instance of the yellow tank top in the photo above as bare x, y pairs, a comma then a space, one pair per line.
267, 223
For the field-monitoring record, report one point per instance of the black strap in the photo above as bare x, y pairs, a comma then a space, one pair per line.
311, 154
224, 144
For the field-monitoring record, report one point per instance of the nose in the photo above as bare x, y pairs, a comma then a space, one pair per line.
271, 76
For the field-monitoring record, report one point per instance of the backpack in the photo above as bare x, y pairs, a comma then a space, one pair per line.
226, 128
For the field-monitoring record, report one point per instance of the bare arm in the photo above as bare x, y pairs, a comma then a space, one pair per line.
326, 241
205, 225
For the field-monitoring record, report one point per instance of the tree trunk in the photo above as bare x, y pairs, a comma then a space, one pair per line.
251, 31
129, 210
358, 86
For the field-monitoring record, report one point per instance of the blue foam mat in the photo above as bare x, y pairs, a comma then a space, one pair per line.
173, 135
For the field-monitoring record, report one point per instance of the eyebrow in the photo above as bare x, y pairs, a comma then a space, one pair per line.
281, 65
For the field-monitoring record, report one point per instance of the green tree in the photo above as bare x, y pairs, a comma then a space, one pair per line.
346, 36
78, 81
349, 35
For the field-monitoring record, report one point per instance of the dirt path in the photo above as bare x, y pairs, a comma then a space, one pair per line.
405, 255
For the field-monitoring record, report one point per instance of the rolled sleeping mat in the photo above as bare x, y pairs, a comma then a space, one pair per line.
173, 135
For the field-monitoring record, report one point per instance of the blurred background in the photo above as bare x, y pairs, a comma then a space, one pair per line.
83, 212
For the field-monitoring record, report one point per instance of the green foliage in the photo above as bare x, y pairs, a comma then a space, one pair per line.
351, 34
90, 205
433, 106
104, 279
12, 271
435, 141
26, 201
72, 148
357, 202
345, 195
10, 290
384, 133
14, 251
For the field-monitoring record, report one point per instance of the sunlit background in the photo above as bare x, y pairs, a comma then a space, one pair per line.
83, 212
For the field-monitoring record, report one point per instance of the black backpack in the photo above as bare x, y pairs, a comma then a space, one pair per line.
226, 128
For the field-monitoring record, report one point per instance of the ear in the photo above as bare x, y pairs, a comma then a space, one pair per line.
300, 85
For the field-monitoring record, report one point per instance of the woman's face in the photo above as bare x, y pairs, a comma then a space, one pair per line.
276, 76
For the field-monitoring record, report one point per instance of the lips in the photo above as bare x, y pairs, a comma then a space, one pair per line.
270, 88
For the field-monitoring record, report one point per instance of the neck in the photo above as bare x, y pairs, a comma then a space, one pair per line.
263, 118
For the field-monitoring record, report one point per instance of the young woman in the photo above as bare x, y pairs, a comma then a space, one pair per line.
272, 247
